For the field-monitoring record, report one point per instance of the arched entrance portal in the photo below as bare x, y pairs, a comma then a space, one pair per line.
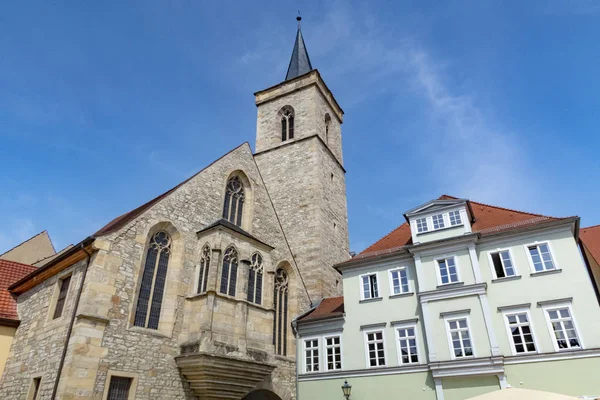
261, 395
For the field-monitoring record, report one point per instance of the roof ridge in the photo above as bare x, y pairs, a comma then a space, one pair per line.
31, 238
112, 225
498, 207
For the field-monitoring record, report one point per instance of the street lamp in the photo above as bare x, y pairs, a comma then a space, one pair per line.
346, 389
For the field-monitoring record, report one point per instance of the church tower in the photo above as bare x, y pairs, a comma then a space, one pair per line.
299, 153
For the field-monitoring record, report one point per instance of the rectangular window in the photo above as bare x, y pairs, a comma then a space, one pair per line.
119, 388
503, 265
369, 286
333, 349
520, 332
541, 257
454, 218
311, 355
375, 350
34, 390
399, 278
563, 328
407, 344
422, 225
62, 296
448, 271
438, 221
458, 329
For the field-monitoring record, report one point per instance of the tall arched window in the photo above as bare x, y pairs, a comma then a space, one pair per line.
255, 278
203, 271
287, 123
281, 312
147, 312
327, 127
234, 201
229, 271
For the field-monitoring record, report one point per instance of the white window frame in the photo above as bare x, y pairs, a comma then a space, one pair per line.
457, 317
366, 342
427, 227
360, 284
450, 224
555, 306
319, 361
391, 278
399, 349
512, 259
325, 366
438, 272
538, 243
441, 216
515, 311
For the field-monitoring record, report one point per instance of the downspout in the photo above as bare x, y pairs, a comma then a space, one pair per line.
71, 323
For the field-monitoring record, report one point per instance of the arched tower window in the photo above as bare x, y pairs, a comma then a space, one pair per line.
281, 312
147, 312
234, 201
255, 279
203, 270
229, 271
327, 127
287, 123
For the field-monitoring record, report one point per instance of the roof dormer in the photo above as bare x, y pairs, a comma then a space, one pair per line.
439, 219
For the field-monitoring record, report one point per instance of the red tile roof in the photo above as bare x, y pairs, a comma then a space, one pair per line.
487, 219
590, 237
329, 307
11, 272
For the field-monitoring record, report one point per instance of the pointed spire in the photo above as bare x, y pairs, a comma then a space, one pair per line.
299, 63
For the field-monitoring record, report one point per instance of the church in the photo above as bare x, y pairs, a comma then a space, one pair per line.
193, 295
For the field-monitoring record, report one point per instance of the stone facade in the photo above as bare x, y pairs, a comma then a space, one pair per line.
294, 216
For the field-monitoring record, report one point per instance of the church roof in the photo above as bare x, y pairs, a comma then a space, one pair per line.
10, 272
300, 62
224, 223
486, 219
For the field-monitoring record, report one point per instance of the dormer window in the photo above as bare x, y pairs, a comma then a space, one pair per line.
438, 221
422, 225
454, 218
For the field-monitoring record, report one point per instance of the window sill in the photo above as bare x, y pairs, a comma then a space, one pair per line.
372, 299
148, 331
196, 296
288, 359
506, 278
548, 272
407, 294
445, 228
453, 284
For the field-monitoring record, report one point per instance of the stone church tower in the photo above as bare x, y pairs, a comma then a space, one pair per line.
299, 154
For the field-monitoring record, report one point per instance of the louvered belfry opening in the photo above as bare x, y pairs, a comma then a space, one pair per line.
281, 312
152, 288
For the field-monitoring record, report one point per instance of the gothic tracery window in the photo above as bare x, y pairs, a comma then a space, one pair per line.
203, 270
229, 271
152, 287
255, 279
287, 124
234, 201
280, 323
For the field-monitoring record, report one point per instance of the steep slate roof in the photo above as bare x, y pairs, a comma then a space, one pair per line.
590, 237
329, 307
488, 219
300, 62
10, 272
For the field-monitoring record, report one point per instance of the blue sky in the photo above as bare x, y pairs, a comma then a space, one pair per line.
104, 105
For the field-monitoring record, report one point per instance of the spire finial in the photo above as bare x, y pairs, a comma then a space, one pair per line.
299, 63
299, 18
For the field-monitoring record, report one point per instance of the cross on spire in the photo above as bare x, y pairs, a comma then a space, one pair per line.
300, 62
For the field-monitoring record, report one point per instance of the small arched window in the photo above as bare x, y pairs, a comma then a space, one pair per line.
229, 271
327, 127
203, 270
147, 312
234, 201
281, 312
287, 123
255, 278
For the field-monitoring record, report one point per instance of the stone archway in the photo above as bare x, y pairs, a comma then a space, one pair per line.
261, 394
